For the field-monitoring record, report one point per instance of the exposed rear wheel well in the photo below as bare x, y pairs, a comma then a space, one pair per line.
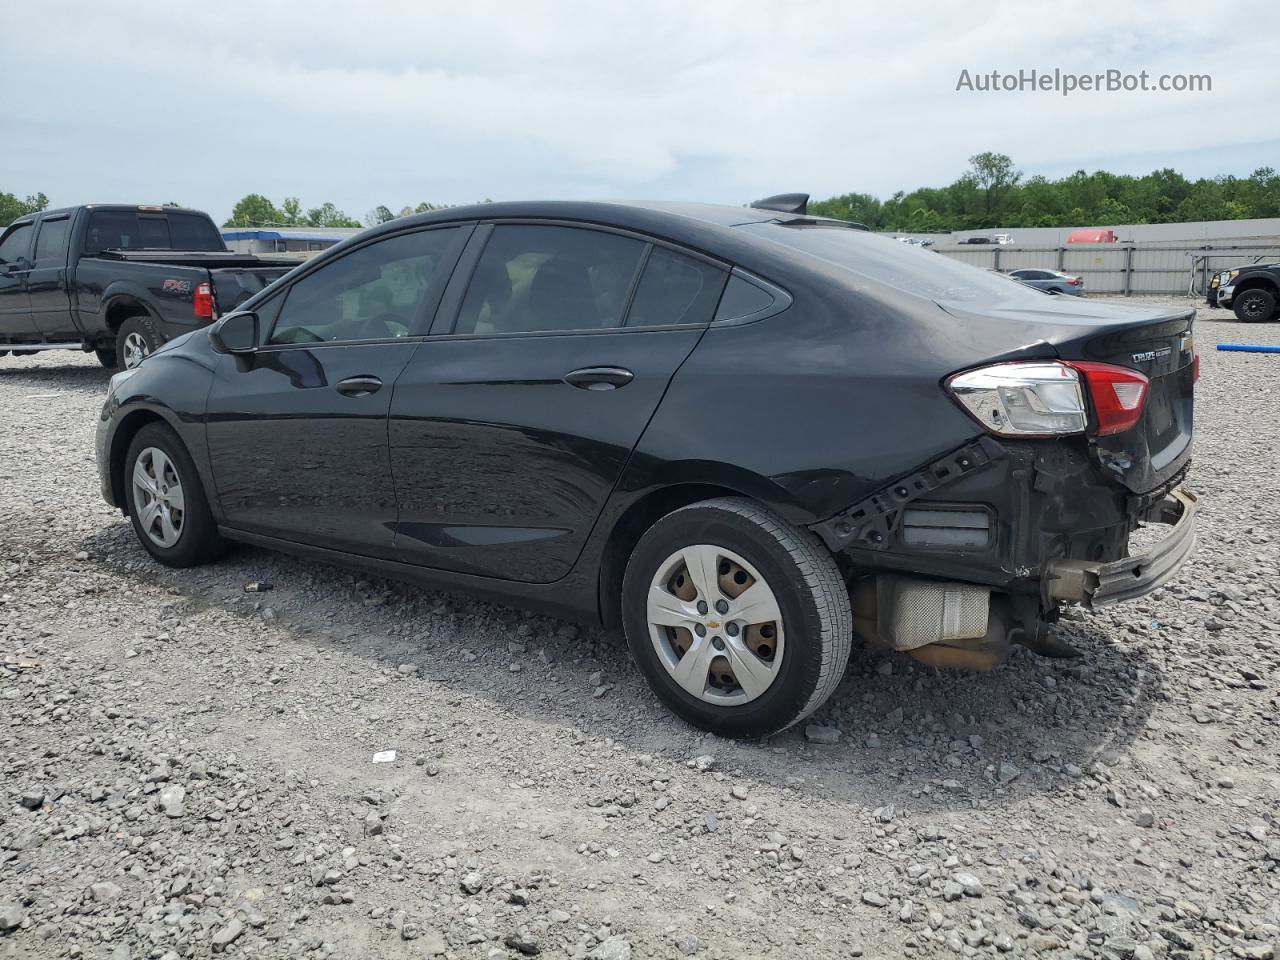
628, 530
124, 435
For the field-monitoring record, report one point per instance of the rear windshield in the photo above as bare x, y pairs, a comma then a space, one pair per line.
136, 230
908, 268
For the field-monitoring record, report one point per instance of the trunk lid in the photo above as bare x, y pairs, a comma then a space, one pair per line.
1156, 342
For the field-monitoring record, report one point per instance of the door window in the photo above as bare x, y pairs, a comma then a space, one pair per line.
533, 278
51, 244
675, 289
16, 244
377, 292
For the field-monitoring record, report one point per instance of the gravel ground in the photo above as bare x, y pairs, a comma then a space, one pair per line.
188, 770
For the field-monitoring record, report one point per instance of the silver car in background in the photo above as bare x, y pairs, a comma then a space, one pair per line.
1051, 281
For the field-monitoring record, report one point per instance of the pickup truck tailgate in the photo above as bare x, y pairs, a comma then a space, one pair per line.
232, 286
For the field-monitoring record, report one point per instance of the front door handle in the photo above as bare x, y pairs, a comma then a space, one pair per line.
361, 386
599, 378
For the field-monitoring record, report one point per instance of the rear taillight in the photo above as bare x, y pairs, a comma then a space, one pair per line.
1031, 399
1073, 281
202, 301
1195, 369
1118, 395
1047, 398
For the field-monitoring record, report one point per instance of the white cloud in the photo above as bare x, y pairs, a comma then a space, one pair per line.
401, 102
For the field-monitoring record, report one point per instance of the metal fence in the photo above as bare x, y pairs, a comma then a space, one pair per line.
1123, 268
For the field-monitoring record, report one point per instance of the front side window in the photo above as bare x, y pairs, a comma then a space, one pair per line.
374, 293
533, 278
16, 244
675, 289
51, 244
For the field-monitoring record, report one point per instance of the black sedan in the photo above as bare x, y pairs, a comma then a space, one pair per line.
743, 435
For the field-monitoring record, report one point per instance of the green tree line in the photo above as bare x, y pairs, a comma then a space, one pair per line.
255, 210
993, 193
11, 208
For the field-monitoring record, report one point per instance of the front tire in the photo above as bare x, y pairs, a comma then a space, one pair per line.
1254, 306
137, 338
166, 500
739, 621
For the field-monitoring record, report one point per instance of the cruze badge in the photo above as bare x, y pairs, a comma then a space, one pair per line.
1152, 354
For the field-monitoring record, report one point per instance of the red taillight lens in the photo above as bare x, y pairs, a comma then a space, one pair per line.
1073, 282
202, 301
1118, 395
1195, 369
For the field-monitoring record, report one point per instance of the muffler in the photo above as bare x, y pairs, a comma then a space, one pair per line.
941, 623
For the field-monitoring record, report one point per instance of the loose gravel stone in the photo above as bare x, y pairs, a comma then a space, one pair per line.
816, 733
11, 915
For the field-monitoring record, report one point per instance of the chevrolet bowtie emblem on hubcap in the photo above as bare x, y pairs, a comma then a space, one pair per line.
713, 624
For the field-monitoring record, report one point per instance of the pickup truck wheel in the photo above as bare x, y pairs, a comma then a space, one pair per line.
739, 621
107, 357
1254, 306
136, 340
166, 500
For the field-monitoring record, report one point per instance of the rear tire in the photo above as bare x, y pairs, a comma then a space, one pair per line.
166, 500
811, 637
1254, 306
137, 338
107, 357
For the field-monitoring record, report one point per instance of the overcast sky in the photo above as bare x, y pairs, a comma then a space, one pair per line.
366, 103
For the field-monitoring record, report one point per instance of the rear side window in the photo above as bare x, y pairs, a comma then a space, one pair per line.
534, 278
16, 244
743, 299
377, 292
51, 244
675, 289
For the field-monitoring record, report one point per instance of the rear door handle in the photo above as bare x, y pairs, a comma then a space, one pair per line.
361, 386
599, 378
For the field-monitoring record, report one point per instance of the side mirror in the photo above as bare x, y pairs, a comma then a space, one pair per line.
236, 333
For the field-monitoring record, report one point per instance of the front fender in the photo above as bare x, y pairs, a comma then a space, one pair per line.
183, 378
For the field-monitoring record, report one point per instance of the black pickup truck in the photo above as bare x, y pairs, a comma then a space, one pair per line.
118, 280
1251, 291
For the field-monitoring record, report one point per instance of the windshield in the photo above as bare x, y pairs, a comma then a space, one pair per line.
133, 230
908, 268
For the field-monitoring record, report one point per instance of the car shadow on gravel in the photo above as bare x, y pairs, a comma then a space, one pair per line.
909, 734
60, 378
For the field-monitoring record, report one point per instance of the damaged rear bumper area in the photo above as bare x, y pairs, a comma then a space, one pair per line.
1097, 584
981, 549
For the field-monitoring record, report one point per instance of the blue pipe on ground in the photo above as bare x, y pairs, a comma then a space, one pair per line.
1247, 348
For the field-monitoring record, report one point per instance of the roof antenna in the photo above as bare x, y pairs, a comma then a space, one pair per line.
785, 203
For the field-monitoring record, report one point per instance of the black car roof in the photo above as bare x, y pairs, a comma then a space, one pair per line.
619, 212
703, 226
